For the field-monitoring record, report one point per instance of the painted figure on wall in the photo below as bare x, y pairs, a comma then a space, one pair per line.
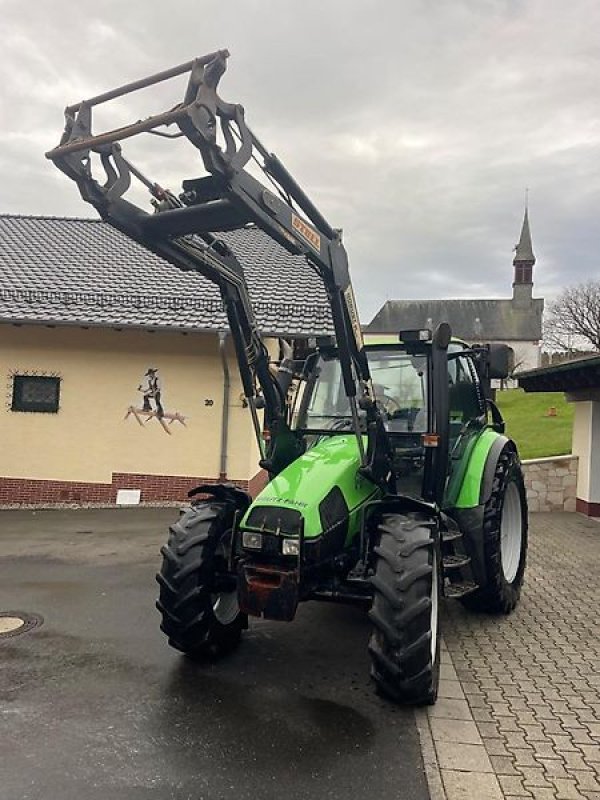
152, 403
151, 392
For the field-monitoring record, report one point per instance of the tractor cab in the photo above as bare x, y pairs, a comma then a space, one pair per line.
401, 389
402, 382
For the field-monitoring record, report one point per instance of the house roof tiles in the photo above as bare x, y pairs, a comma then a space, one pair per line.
70, 271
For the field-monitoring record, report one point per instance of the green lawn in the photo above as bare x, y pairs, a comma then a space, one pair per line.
528, 423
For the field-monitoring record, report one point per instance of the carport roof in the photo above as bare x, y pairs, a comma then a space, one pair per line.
69, 271
571, 376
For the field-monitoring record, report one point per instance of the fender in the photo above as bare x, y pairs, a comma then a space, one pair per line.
477, 483
400, 504
489, 471
224, 493
474, 494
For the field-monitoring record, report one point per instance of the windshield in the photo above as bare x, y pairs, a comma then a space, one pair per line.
399, 383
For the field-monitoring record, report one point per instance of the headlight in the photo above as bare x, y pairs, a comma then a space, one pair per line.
253, 541
291, 547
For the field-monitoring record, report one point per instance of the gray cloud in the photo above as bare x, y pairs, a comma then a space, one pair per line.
415, 126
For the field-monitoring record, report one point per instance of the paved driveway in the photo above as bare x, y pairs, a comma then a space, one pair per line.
95, 705
520, 710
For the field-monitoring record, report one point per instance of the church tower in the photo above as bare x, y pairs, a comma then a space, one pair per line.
523, 263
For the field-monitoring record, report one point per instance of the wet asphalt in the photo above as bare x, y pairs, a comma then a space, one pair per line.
95, 705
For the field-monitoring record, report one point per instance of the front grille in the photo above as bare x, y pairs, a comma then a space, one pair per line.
333, 510
275, 520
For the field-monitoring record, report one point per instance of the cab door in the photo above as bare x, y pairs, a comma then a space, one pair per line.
467, 419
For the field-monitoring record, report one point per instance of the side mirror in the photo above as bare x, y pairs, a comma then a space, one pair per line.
499, 360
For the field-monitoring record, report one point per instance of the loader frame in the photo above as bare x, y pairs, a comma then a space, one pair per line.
229, 197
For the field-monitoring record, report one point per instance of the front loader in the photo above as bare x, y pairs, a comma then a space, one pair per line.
391, 481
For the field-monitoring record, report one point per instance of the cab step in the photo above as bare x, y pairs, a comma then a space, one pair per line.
455, 590
455, 561
451, 535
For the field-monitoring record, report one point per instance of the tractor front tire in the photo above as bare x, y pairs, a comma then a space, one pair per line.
198, 596
405, 643
504, 539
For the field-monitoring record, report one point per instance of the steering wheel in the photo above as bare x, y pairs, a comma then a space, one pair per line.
340, 424
389, 404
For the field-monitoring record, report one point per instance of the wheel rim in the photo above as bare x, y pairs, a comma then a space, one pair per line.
511, 533
434, 607
224, 604
225, 607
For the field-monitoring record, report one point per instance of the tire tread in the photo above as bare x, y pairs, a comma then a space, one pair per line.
185, 579
498, 596
400, 646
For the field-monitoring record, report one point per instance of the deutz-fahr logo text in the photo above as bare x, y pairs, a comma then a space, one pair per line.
306, 232
284, 501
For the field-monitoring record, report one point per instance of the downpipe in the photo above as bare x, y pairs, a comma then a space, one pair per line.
225, 412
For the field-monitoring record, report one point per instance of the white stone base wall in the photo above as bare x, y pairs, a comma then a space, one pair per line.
551, 483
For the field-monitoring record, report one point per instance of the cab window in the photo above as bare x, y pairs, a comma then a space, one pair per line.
462, 394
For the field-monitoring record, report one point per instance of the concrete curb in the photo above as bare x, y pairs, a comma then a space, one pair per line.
457, 766
430, 762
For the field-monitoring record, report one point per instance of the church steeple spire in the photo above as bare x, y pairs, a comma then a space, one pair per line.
523, 263
524, 250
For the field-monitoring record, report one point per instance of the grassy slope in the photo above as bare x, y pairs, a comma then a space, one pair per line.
535, 433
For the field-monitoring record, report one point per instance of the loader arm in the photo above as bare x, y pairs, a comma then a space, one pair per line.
227, 198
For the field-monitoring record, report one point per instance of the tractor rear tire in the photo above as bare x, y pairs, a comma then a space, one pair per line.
504, 539
405, 643
198, 597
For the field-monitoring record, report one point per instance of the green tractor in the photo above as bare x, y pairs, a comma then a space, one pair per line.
391, 483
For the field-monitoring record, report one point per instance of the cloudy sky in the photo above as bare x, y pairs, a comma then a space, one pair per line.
416, 126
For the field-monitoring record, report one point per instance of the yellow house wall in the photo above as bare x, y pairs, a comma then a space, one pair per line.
100, 371
582, 440
586, 445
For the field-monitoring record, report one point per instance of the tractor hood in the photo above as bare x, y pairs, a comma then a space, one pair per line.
319, 486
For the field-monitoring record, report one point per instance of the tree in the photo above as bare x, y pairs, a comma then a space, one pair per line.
574, 319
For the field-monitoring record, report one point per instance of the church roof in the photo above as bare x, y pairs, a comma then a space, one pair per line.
473, 320
512, 320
